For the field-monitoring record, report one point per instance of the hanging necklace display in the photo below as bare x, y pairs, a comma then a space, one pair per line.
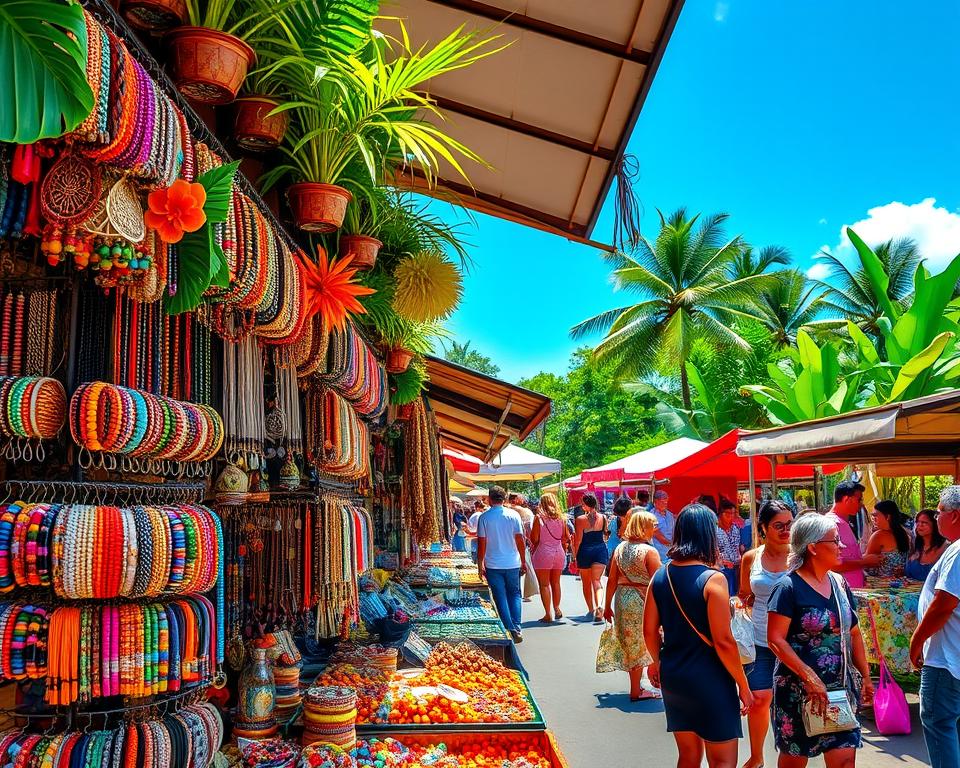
243, 403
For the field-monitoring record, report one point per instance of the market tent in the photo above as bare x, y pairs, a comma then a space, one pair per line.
460, 461
478, 414
552, 112
459, 484
478, 492
912, 438
517, 463
645, 465
720, 459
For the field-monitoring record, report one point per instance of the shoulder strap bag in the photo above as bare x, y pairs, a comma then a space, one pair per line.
700, 634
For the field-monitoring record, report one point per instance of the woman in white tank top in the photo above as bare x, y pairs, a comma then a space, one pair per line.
760, 570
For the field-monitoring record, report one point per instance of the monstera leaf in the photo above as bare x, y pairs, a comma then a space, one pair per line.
201, 261
43, 59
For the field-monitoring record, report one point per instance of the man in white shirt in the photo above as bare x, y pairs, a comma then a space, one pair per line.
500, 555
935, 645
663, 534
472, 523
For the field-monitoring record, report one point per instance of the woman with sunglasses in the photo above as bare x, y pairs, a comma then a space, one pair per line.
811, 615
760, 570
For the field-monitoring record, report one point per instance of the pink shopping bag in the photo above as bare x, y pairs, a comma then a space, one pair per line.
890, 705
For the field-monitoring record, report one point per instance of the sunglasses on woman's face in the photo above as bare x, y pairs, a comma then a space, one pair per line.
781, 527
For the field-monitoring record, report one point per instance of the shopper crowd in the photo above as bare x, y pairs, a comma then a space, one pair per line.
677, 584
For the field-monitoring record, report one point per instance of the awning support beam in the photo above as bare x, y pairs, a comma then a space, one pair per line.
567, 35
525, 129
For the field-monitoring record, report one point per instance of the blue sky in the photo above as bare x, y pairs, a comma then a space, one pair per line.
796, 119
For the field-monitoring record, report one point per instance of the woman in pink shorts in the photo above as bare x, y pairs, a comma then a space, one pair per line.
549, 541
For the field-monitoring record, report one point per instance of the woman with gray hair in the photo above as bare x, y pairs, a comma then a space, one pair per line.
812, 614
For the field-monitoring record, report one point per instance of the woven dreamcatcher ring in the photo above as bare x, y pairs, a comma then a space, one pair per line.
125, 211
70, 190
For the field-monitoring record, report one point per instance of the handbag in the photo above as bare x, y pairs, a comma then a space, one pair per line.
742, 628
610, 652
890, 708
840, 714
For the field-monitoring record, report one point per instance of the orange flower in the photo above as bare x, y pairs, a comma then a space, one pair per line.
176, 209
330, 290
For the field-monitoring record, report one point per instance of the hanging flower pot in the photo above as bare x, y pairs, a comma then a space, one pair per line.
405, 412
255, 129
152, 15
398, 360
207, 65
363, 248
318, 207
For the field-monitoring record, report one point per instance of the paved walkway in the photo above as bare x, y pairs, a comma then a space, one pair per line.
596, 723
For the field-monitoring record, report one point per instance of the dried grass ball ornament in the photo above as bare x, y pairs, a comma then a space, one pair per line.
428, 287
106, 418
32, 407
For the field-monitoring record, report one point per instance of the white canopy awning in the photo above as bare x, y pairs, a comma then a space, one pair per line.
853, 429
645, 464
517, 463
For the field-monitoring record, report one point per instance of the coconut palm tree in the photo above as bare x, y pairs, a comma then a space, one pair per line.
682, 279
790, 303
848, 292
751, 261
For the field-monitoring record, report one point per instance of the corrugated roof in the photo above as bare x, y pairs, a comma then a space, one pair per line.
479, 414
552, 113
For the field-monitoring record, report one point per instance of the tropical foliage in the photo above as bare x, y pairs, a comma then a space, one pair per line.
43, 59
686, 293
915, 352
593, 419
462, 354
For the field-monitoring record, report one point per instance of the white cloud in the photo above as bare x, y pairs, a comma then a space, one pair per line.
720, 11
822, 221
935, 229
818, 271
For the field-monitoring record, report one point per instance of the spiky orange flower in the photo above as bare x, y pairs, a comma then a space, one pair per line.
330, 290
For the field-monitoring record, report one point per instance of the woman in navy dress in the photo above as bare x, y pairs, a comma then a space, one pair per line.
697, 664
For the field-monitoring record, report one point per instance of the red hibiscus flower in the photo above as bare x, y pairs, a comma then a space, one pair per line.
176, 209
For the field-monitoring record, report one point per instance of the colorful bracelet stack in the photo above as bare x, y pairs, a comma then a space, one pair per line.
101, 552
189, 737
91, 651
32, 407
111, 419
329, 716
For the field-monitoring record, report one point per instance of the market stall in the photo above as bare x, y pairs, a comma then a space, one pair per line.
515, 463
913, 438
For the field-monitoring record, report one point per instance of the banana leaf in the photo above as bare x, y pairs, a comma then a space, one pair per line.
43, 59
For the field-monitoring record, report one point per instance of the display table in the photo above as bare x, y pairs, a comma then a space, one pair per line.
894, 612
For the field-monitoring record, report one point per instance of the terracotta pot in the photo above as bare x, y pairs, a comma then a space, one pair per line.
398, 360
254, 128
318, 207
208, 65
405, 412
363, 248
154, 14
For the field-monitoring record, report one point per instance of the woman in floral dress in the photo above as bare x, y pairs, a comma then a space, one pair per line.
804, 632
633, 564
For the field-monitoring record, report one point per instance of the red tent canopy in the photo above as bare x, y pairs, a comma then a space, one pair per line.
462, 462
719, 459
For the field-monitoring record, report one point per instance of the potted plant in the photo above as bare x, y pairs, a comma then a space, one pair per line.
360, 226
365, 110
404, 340
257, 125
210, 57
154, 15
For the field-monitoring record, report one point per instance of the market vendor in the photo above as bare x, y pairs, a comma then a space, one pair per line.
847, 500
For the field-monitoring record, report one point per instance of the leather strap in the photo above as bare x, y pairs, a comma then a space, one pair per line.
684, 613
